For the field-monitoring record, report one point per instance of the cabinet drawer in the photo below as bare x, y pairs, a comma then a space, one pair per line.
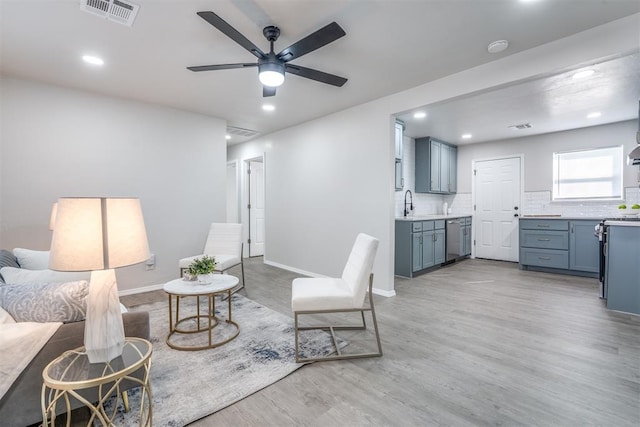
544, 224
416, 226
427, 225
439, 224
544, 258
544, 239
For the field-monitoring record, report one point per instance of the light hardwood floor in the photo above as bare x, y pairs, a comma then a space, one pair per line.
476, 343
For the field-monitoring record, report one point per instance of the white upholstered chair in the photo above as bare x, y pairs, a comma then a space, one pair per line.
224, 242
338, 295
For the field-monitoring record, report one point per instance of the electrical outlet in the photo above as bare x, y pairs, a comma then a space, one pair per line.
151, 262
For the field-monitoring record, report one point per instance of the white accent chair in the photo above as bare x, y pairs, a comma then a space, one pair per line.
224, 242
339, 295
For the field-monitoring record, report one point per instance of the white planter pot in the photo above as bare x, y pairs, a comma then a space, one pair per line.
205, 279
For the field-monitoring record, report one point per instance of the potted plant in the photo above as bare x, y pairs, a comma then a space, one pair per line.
203, 268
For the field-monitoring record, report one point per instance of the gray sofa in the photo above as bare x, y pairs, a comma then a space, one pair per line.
21, 406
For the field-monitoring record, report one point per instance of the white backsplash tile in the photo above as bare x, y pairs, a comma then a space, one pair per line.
539, 203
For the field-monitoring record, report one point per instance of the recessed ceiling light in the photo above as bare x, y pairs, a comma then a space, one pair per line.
268, 107
227, 137
419, 115
582, 74
594, 115
93, 60
466, 136
497, 46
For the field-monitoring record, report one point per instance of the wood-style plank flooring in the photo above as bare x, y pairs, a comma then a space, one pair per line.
476, 343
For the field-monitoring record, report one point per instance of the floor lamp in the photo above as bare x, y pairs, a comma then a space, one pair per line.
98, 235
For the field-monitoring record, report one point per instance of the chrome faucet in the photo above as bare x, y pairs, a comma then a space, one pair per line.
406, 212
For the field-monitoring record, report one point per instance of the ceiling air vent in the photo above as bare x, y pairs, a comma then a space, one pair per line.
521, 126
120, 11
241, 132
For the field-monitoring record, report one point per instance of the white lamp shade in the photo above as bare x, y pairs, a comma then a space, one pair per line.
52, 218
98, 234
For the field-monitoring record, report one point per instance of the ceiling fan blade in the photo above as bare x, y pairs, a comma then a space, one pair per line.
312, 74
268, 91
313, 41
221, 67
232, 33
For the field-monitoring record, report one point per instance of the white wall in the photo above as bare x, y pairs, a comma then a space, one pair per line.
331, 178
538, 152
56, 142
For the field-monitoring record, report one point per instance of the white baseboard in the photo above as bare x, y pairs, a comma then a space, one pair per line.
376, 291
141, 290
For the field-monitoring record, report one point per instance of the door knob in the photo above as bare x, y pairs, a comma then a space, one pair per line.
515, 208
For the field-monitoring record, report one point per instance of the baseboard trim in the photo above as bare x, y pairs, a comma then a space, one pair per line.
376, 291
141, 290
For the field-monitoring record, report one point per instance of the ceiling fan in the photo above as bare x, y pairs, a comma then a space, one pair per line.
272, 66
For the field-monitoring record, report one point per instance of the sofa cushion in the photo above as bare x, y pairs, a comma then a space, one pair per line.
46, 302
20, 276
5, 317
32, 260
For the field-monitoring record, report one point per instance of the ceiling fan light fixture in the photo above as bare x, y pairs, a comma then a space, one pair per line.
271, 74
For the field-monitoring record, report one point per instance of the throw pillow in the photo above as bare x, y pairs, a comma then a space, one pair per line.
20, 276
32, 260
46, 302
7, 259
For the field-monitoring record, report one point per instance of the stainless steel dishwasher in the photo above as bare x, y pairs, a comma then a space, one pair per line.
453, 239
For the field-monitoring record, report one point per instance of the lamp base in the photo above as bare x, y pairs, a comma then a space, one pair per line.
103, 330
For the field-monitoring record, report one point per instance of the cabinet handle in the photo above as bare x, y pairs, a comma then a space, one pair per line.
435, 237
543, 226
572, 227
544, 240
544, 258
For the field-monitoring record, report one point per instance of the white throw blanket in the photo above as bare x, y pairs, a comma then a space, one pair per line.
19, 344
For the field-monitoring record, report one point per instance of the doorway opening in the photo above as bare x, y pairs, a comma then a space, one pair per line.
255, 196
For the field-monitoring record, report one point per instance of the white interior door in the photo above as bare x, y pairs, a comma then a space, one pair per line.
497, 202
256, 208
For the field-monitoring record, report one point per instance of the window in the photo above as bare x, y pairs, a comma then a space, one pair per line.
588, 174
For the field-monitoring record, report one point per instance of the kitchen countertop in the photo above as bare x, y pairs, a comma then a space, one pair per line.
634, 223
430, 217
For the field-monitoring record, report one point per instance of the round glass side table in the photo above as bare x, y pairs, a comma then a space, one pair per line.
71, 376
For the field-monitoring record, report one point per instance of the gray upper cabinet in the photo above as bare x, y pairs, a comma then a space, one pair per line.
399, 137
436, 166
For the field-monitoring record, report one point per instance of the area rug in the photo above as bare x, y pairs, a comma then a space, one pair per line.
189, 385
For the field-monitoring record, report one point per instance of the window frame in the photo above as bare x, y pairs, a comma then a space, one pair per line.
619, 158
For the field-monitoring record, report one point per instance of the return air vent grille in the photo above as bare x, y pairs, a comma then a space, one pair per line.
521, 126
120, 11
241, 132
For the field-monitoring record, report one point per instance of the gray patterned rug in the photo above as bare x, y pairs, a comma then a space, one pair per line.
189, 385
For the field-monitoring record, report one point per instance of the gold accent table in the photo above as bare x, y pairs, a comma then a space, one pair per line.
204, 322
69, 374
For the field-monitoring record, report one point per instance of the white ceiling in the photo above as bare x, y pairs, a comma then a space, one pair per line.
390, 46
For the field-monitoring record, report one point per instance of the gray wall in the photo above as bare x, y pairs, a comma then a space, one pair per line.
538, 152
56, 142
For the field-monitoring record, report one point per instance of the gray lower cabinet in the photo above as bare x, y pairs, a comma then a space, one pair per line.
465, 236
560, 245
420, 245
622, 271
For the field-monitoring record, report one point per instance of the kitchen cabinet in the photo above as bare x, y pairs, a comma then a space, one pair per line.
559, 245
622, 271
583, 246
399, 137
436, 166
465, 237
420, 245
